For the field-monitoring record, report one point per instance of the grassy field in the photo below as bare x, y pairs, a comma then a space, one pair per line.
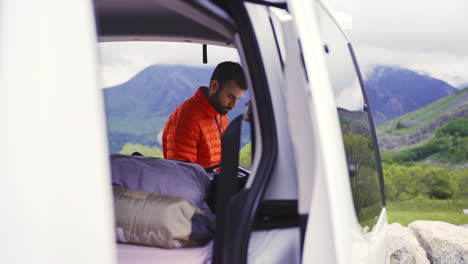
449, 211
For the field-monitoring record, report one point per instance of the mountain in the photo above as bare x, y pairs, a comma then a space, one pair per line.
419, 126
138, 109
355, 122
394, 91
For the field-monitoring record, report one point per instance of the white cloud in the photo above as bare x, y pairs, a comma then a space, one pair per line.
448, 67
428, 36
350, 98
120, 61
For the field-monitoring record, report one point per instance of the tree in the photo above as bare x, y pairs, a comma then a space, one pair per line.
364, 182
357, 150
245, 156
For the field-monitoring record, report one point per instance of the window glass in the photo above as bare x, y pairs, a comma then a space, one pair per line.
143, 82
246, 154
276, 13
355, 126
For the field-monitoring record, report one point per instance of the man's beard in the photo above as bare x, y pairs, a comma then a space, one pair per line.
214, 100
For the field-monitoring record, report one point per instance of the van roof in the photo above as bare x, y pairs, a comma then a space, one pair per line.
167, 20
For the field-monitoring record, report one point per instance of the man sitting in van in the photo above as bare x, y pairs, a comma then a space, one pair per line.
194, 130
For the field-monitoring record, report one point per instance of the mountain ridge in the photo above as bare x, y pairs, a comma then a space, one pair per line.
394, 91
419, 126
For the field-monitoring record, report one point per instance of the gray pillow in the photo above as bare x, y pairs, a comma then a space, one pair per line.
162, 176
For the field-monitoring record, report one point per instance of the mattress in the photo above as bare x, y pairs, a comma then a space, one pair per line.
133, 254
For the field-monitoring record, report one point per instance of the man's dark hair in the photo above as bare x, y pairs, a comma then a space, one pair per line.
229, 71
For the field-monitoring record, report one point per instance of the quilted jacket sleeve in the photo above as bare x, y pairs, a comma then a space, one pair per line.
183, 139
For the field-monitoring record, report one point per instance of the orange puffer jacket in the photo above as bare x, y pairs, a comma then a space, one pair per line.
193, 132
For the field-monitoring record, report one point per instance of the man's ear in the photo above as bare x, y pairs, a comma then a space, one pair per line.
214, 86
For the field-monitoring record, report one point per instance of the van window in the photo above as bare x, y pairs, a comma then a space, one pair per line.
357, 131
143, 82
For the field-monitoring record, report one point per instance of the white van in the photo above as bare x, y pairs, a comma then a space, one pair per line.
307, 200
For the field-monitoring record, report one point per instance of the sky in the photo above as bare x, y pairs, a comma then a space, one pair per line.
427, 36
120, 61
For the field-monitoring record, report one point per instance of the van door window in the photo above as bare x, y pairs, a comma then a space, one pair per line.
357, 129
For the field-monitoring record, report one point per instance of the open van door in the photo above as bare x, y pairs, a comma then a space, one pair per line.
320, 164
310, 166
347, 193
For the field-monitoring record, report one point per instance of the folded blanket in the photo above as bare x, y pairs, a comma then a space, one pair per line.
166, 221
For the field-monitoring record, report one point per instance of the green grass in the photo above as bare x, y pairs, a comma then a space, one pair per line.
449, 211
425, 114
129, 149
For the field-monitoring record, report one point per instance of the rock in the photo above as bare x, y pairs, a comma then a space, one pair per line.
444, 243
403, 247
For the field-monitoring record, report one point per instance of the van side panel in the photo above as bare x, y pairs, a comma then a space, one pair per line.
55, 200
